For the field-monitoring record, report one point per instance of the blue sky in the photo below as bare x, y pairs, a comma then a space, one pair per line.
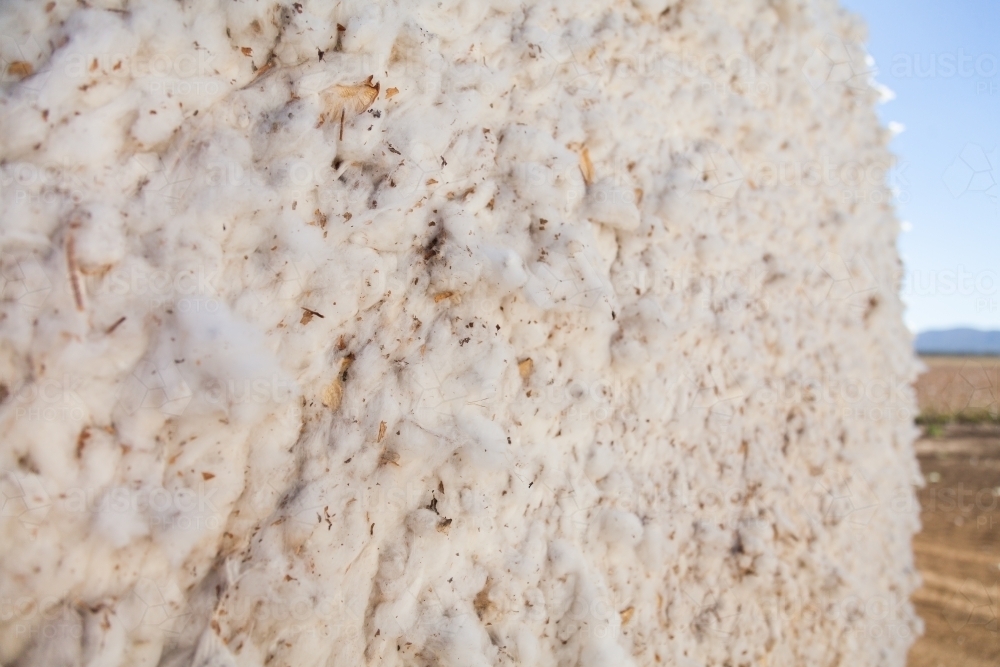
942, 60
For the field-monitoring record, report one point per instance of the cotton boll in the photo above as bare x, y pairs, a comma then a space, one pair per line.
306, 33
400, 613
220, 341
487, 443
475, 202
712, 540
96, 136
370, 32
230, 361
212, 651
563, 557
755, 537
618, 488
466, 643
45, 651
21, 128
118, 518
653, 548
413, 442
641, 325
506, 267
99, 243
459, 269
711, 252
630, 354
528, 333
156, 124
605, 653
100, 457
611, 205
602, 460
528, 651
104, 639
618, 527
538, 293
422, 522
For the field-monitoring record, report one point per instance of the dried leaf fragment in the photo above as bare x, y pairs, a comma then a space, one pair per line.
75, 278
389, 456
333, 394
391, 92
247, 51
525, 367
586, 166
381, 431
20, 69
356, 99
308, 314
345, 363
441, 296
319, 218
264, 68
627, 615
110, 330
207, 476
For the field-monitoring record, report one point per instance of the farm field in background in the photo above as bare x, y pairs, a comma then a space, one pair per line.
958, 548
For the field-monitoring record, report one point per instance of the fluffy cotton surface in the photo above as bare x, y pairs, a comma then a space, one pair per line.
579, 345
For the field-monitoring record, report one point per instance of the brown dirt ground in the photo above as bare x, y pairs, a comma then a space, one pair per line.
959, 384
958, 549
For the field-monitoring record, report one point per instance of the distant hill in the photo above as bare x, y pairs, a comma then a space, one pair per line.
958, 342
